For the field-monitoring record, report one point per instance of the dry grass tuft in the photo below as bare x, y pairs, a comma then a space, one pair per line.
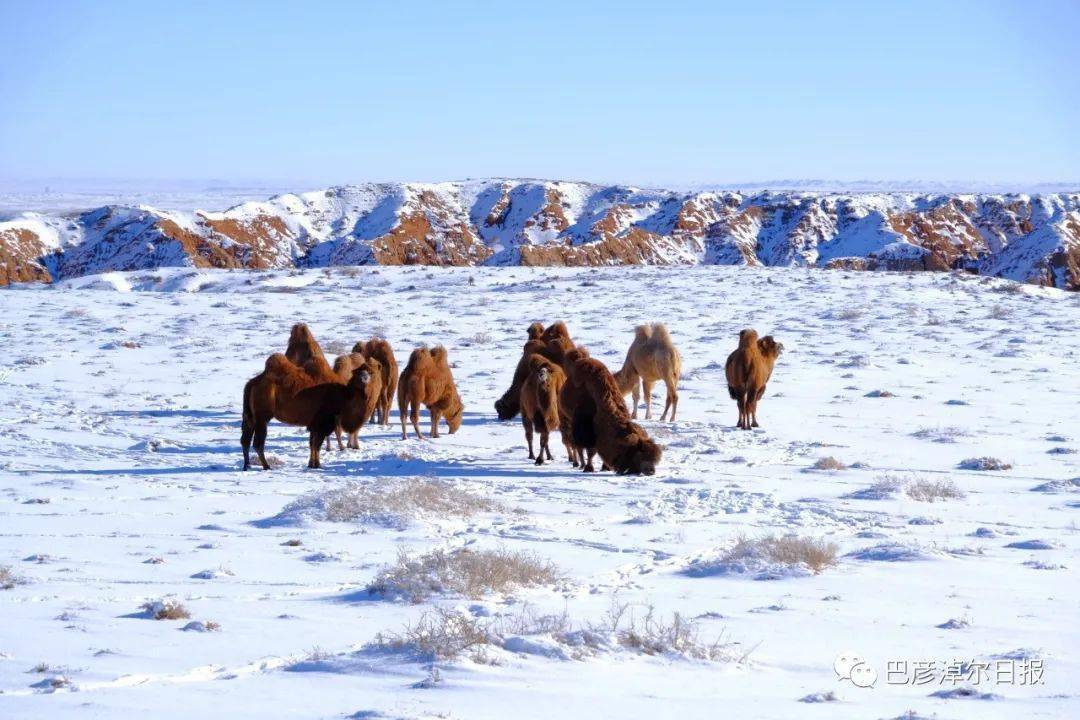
392, 502
985, 463
933, 490
813, 553
439, 634
442, 634
166, 610
828, 463
472, 573
8, 579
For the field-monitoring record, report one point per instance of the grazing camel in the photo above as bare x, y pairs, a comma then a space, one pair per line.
540, 402
380, 350
345, 366
287, 392
427, 380
651, 357
748, 369
602, 425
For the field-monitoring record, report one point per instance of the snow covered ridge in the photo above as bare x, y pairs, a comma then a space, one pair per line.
1028, 238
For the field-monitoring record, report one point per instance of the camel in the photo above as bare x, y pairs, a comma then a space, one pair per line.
540, 402
380, 350
539, 339
748, 369
345, 366
288, 393
427, 380
601, 423
651, 357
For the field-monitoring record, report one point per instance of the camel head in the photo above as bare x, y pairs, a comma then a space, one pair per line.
454, 414
639, 457
502, 409
769, 347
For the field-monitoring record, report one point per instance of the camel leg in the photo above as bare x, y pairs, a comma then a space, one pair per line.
751, 411
543, 445
247, 429
529, 435
401, 411
646, 385
354, 440
434, 422
741, 400
547, 447
636, 395
571, 453
337, 432
260, 443
588, 466
314, 445
672, 400
414, 417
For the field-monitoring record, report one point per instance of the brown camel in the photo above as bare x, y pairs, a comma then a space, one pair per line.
748, 369
652, 356
602, 425
380, 350
540, 402
304, 352
345, 366
286, 392
427, 380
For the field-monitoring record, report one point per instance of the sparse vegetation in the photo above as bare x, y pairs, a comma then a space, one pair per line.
933, 490
389, 502
828, 463
948, 434
792, 551
8, 579
442, 634
472, 573
167, 609
984, 463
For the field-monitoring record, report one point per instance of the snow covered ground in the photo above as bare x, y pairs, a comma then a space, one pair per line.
120, 486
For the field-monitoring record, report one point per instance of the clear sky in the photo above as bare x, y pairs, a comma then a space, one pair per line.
660, 92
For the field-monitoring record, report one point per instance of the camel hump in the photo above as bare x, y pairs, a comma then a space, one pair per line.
278, 364
642, 333
359, 347
438, 354
557, 329
660, 332
535, 330
747, 337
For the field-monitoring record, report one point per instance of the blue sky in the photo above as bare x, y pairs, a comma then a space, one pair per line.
658, 92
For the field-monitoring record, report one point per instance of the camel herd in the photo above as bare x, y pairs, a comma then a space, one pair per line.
556, 385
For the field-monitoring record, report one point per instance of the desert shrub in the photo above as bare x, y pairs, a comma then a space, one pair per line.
388, 502
941, 434
884, 488
472, 573
167, 609
792, 551
439, 634
932, 490
828, 463
8, 579
651, 634
984, 463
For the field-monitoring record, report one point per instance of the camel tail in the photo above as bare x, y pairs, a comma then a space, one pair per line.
733, 392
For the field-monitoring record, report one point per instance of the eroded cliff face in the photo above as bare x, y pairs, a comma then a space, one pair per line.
534, 222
